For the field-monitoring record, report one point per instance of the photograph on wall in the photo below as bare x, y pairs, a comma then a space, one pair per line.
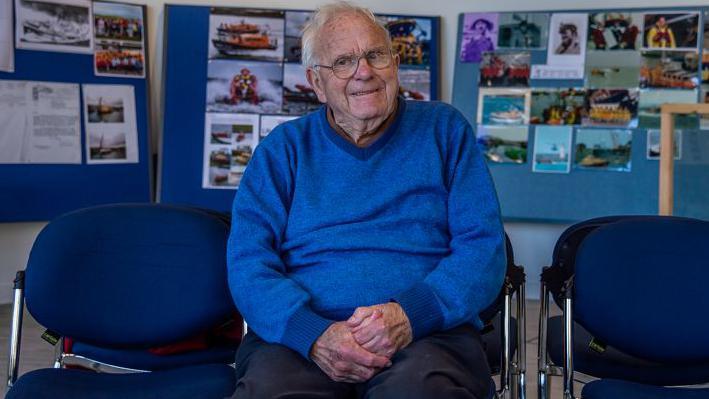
415, 84
410, 38
7, 49
479, 35
603, 149
118, 22
566, 50
503, 106
552, 145
557, 106
614, 31
229, 141
669, 69
651, 101
298, 97
671, 30
244, 86
653, 144
504, 69
612, 69
269, 122
295, 22
110, 124
523, 30
49, 25
611, 107
503, 144
119, 59
246, 34
119, 42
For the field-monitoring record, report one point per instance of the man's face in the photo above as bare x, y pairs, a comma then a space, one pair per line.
370, 94
661, 22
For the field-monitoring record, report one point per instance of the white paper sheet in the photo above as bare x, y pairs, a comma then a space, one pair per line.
53, 123
7, 51
111, 127
13, 121
566, 52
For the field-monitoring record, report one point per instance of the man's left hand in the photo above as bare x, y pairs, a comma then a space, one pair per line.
381, 329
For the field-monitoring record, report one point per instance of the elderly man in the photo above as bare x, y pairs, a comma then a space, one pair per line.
366, 236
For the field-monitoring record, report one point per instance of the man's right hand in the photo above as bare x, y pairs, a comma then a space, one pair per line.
340, 357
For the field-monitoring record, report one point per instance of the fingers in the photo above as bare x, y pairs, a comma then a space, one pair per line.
359, 315
362, 357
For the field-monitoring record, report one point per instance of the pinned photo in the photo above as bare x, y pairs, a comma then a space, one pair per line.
107, 145
118, 22
269, 122
612, 70
110, 124
244, 86
116, 59
411, 39
229, 141
671, 30
503, 144
552, 145
651, 101
614, 31
298, 97
669, 69
505, 69
105, 109
246, 34
603, 149
415, 84
54, 25
479, 35
653, 144
523, 30
503, 106
611, 107
295, 22
567, 36
557, 106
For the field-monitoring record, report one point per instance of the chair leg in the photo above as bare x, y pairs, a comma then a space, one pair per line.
521, 344
506, 345
18, 307
543, 382
568, 345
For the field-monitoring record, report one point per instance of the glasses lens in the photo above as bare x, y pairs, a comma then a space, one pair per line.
379, 58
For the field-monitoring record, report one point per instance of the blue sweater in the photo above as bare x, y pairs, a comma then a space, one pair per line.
321, 227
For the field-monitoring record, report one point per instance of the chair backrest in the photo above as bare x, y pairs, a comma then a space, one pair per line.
640, 285
514, 275
130, 275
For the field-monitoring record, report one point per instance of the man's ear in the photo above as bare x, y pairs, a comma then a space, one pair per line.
316, 83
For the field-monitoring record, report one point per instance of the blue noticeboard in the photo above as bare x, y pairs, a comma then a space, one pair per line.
185, 92
39, 192
582, 193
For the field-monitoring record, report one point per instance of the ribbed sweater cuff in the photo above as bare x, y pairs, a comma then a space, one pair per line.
303, 329
421, 307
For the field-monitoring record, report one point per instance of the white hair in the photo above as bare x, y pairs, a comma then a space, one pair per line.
327, 13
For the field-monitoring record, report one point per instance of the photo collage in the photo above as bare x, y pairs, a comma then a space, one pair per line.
255, 80
606, 74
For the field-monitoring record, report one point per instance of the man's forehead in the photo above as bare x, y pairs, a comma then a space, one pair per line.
345, 33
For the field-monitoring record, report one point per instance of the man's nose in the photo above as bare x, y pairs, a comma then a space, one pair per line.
364, 70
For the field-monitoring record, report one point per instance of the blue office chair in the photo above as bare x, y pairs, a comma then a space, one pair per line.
118, 280
503, 336
631, 289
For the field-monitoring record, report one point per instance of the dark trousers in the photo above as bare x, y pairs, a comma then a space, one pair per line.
448, 364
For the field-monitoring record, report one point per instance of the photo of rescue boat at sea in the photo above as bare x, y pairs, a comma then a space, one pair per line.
612, 69
651, 101
298, 96
503, 106
53, 26
415, 84
653, 144
669, 69
603, 149
246, 34
244, 86
503, 144
295, 22
105, 110
552, 145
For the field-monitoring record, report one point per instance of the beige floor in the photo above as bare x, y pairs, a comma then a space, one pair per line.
36, 353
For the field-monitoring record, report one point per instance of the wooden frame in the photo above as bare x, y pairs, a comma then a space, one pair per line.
668, 111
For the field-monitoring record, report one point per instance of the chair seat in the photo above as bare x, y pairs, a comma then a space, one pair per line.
144, 360
604, 389
615, 364
206, 381
492, 342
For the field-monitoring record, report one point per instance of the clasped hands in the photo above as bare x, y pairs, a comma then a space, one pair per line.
356, 349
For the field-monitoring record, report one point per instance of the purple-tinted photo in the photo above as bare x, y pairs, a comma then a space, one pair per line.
479, 35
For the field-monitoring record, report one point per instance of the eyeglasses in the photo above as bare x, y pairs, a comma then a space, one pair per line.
345, 66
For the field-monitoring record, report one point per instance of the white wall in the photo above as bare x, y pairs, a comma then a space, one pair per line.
533, 242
